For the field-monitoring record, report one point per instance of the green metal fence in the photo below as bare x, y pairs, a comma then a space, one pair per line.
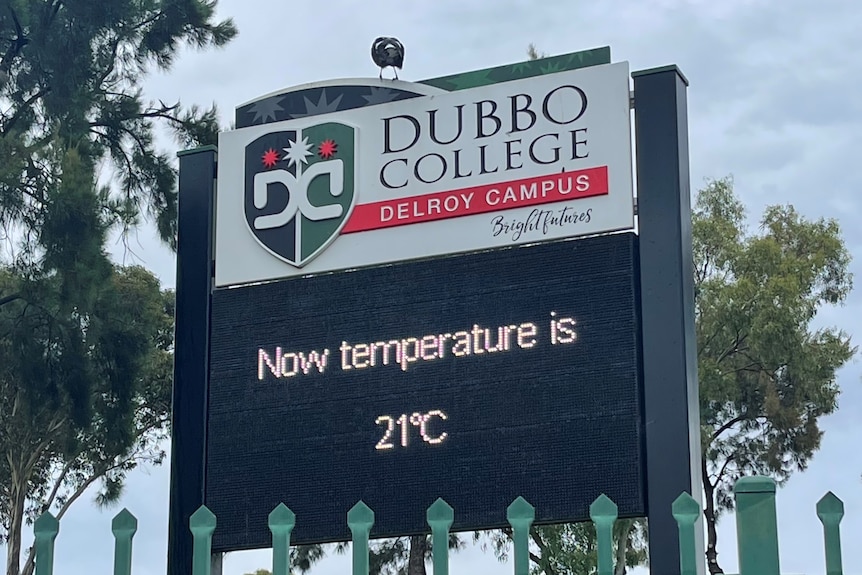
757, 534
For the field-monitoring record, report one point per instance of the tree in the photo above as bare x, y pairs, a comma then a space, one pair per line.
70, 77
572, 547
533, 53
85, 391
405, 555
85, 345
766, 375
394, 556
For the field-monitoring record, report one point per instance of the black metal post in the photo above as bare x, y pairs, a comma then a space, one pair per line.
191, 356
667, 292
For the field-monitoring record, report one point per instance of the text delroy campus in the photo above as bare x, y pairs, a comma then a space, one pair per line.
515, 162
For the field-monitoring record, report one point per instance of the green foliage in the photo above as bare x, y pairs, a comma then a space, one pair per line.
302, 557
572, 547
85, 346
85, 389
389, 557
70, 78
533, 53
404, 555
385, 556
766, 373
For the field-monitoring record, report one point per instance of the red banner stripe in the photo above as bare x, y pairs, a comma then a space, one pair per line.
479, 200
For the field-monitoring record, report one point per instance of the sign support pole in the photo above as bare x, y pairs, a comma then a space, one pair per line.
667, 295
197, 174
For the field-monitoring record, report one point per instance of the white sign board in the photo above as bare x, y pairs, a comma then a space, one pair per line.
517, 162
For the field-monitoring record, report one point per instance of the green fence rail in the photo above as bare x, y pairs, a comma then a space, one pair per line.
756, 524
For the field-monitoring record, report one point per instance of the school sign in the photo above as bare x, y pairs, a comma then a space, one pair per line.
522, 161
391, 292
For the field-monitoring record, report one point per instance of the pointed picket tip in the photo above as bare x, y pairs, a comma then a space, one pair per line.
124, 523
830, 509
202, 521
282, 517
520, 510
685, 509
754, 484
46, 524
603, 509
440, 514
360, 516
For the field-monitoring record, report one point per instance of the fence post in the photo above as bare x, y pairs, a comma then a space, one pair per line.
360, 519
756, 526
281, 522
830, 510
604, 512
202, 524
124, 526
45, 531
440, 516
686, 511
520, 515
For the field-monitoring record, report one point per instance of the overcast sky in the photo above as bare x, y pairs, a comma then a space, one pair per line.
774, 101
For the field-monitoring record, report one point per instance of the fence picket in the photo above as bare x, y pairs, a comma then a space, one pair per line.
202, 524
124, 526
756, 519
45, 530
830, 510
360, 519
686, 512
281, 523
440, 516
756, 526
604, 513
520, 515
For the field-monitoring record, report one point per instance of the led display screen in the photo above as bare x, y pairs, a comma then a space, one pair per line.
477, 378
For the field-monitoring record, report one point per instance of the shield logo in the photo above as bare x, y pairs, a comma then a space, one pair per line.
299, 189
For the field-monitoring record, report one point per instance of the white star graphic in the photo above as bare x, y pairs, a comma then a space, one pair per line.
297, 152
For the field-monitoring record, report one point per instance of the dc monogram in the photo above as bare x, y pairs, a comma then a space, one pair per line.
300, 189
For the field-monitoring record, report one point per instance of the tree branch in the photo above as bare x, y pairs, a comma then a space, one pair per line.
733, 348
17, 44
750, 367
543, 548
10, 298
535, 558
727, 425
57, 484
723, 468
162, 113
25, 104
82, 488
117, 145
30, 562
115, 46
149, 20
704, 270
538, 540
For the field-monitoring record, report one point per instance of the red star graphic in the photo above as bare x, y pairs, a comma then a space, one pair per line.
327, 149
270, 158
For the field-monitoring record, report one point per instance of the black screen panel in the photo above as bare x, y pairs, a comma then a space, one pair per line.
545, 404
